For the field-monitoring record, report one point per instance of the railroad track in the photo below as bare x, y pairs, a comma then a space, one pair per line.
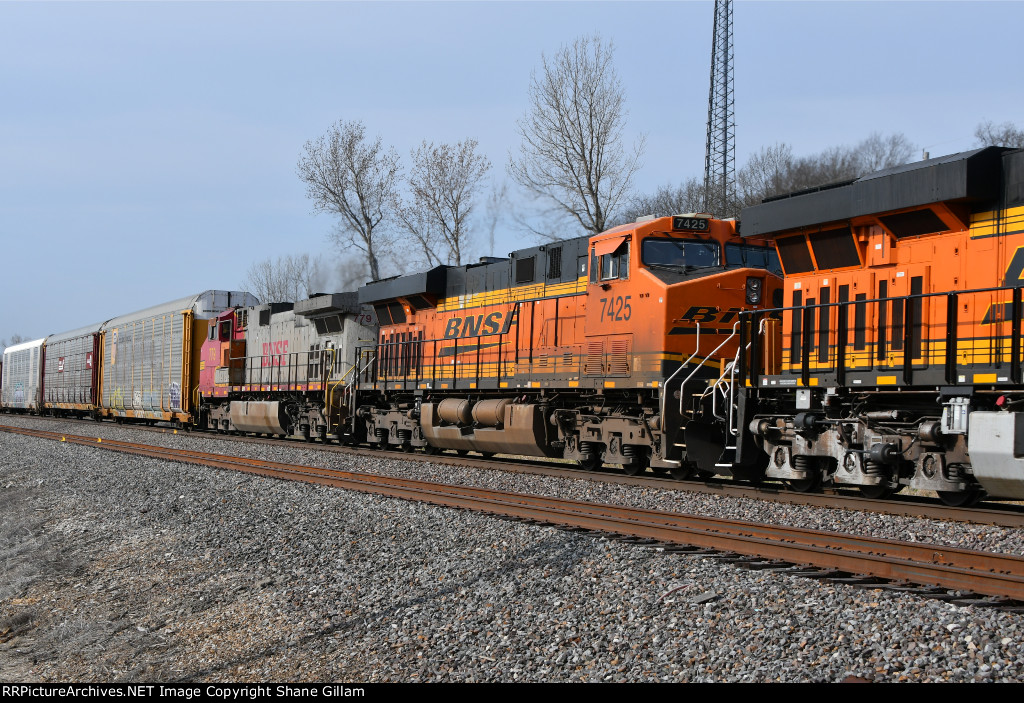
991, 513
761, 546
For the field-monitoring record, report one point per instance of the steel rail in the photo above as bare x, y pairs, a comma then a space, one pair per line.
980, 572
1003, 515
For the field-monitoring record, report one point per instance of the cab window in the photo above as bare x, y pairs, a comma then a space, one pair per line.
752, 257
616, 264
680, 255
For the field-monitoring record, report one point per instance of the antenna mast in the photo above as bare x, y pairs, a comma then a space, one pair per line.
720, 155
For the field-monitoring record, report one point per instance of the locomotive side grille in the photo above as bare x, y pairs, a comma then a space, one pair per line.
618, 357
594, 365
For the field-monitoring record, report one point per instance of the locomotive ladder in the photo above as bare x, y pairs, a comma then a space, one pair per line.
726, 386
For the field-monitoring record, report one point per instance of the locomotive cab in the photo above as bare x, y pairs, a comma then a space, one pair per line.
666, 294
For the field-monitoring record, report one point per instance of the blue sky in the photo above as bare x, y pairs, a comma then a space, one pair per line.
148, 150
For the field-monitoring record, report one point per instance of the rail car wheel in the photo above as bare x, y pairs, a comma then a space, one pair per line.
641, 460
429, 450
880, 492
960, 499
875, 492
592, 462
685, 470
804, 485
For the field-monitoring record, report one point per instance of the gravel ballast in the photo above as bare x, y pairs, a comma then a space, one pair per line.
123, 568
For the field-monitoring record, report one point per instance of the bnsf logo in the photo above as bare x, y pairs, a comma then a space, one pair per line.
274, 353
1002, 312
701, 314
479, 325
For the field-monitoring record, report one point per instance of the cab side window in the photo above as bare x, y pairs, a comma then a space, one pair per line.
616, 264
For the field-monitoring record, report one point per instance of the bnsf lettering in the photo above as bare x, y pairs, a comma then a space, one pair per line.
479, 325
1003, 312
700, 314
1015, 269
493, 323
703, 314
274, 352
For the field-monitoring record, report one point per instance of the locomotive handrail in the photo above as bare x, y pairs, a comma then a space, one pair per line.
674, 374
701, 364
329, 389
740, 353
904, 333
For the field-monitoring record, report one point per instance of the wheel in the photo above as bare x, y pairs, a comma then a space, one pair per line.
407, 448
804, 485
960, 499
487, 455
462, 452
306, 435
429, 450
633, 469
879, 492
591, 463
685, 470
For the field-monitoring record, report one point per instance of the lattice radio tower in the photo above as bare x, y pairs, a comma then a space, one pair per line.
720, 156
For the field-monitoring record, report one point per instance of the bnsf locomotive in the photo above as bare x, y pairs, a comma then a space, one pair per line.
897, 358
863, 334
617, 348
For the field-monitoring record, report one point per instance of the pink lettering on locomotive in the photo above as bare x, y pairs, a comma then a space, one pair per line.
274, 353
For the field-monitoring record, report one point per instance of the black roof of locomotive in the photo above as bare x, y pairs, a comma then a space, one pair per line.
491, 274
326, 303
968, 176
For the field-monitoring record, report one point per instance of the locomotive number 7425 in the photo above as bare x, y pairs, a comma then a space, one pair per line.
616, 309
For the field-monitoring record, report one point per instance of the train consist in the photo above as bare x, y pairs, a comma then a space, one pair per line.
865, 333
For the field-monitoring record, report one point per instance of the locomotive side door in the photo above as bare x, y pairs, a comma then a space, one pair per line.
608, 351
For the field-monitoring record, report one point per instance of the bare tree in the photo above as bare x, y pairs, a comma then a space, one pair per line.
14, 339
767, 172
286, 279
1006, 134
571, 155
494, 209
443, 184
347, 175
774, 170
877, 152
688, 196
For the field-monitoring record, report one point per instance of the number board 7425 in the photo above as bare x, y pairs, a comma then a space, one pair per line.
691, 224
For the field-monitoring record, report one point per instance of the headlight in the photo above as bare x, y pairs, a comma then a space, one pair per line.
754, 291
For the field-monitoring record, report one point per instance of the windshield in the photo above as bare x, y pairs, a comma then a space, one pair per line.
747, 256
680, 254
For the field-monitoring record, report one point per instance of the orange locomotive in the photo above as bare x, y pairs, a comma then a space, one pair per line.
599, 349
898, 356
